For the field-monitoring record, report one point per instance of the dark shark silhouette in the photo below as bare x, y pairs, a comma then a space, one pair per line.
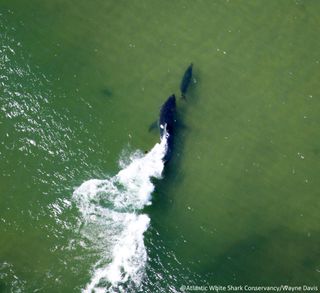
185, 82
166, 124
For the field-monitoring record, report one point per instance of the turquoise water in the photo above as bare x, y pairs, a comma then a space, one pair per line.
80, 84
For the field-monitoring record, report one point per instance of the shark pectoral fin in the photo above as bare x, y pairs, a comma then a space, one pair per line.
180, 124
153, 126
184, 126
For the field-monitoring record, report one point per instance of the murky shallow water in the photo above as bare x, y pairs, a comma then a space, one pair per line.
81, 83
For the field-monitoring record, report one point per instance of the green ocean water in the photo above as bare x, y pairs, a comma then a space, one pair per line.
80, 83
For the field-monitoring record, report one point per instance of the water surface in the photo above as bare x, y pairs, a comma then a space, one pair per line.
80, 84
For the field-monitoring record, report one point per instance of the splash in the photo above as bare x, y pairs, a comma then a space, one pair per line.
110, 212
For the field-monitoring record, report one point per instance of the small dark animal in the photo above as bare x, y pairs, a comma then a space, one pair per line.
166, 123
107, 92
185, 82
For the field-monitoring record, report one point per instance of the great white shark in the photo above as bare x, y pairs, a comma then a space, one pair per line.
167, 121
185, 82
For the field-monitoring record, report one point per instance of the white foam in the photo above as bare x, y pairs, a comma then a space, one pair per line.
109, 210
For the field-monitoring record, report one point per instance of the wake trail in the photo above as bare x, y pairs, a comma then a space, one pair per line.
112, 222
